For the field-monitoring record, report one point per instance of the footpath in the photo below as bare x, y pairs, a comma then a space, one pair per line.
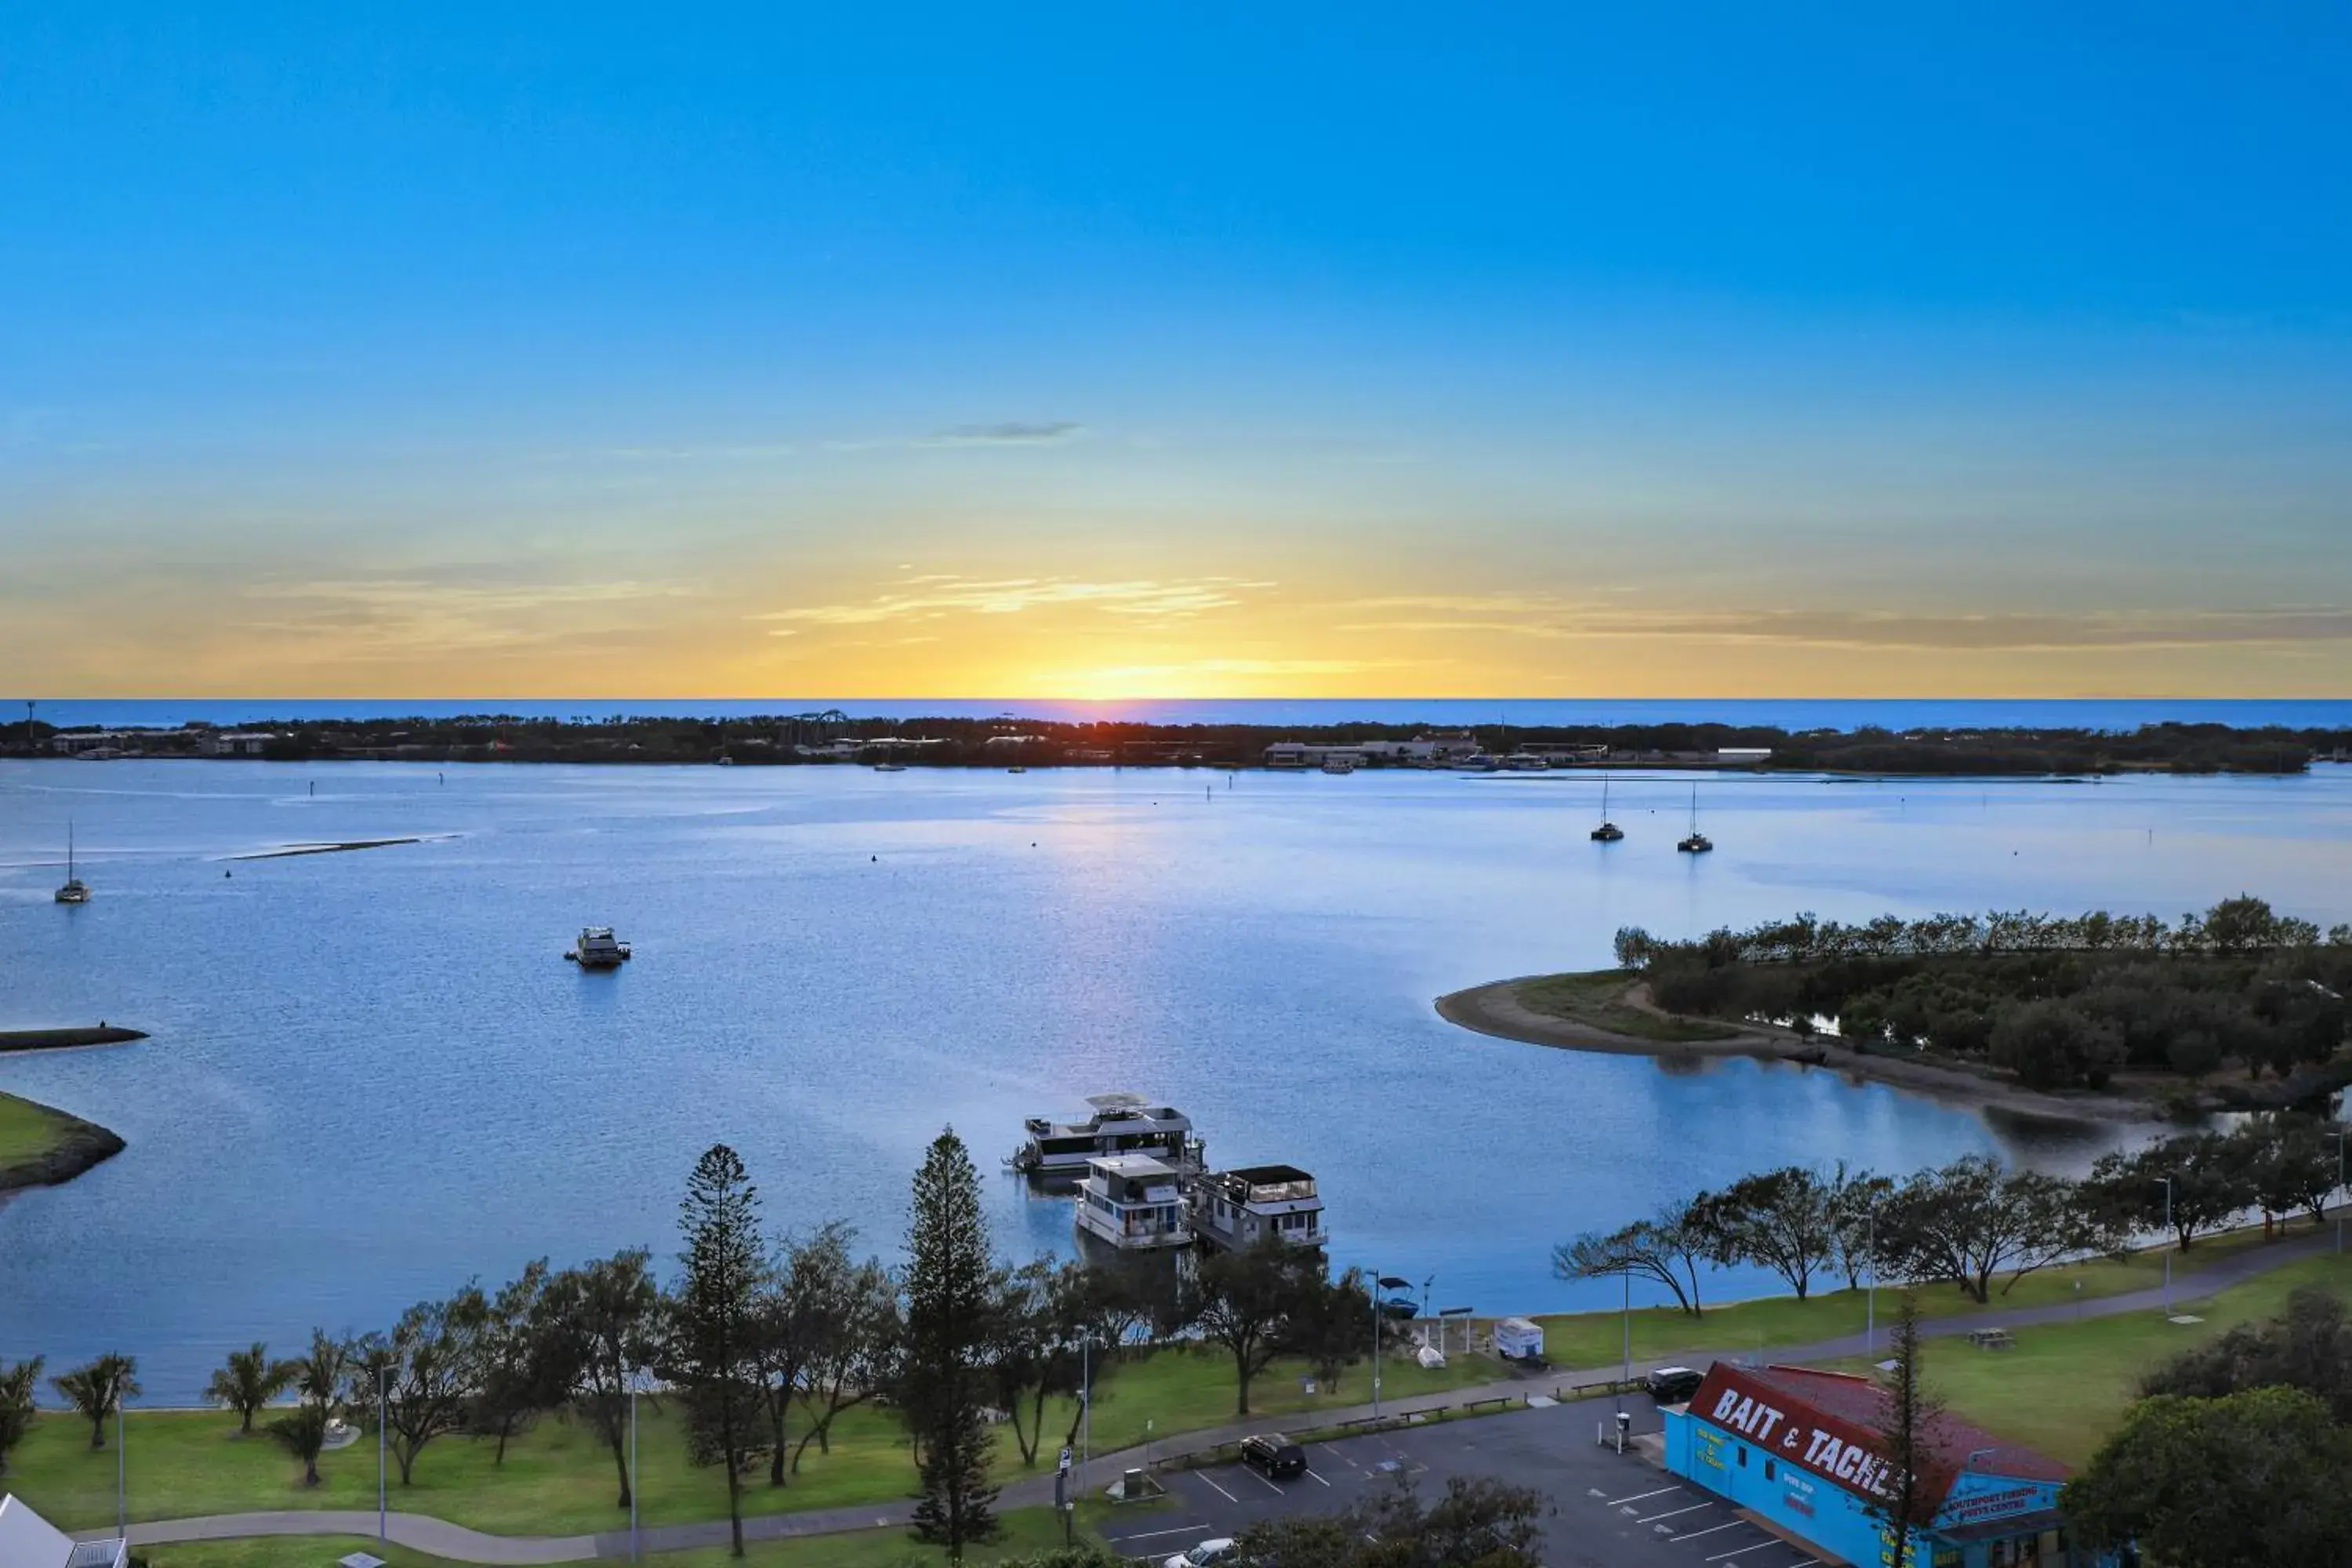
455, 1543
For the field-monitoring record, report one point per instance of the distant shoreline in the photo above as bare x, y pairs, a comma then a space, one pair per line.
1494, 1009
67, 1040
1333, 745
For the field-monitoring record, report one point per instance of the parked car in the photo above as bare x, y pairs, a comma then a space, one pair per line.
1220, 1550
1673, 1384
1274, 1456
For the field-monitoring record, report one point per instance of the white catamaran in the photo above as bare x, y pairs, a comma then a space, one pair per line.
75, 891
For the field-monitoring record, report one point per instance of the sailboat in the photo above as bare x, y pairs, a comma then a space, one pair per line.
1698, 843
1608, 831
75, 891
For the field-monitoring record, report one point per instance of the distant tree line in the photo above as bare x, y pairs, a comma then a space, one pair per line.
2058, 1001
762, 1341
965, 741
1968, 1223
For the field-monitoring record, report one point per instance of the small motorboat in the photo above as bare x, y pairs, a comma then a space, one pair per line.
598, 947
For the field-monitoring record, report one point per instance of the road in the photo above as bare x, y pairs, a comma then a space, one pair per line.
1554, 1433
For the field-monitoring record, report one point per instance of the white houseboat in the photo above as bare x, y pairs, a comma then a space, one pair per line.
1121, 1124
1234, 1209
598, 947
1133, 1203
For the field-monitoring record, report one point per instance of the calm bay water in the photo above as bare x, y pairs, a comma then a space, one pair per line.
372, 1075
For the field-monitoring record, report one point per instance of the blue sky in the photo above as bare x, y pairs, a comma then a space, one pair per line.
1688, 351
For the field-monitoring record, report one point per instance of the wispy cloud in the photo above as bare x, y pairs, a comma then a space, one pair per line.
1129, 672
1521, 616
1009, 433
935, 596
400, 616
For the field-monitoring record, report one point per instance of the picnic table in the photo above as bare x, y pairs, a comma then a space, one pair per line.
1991, 1339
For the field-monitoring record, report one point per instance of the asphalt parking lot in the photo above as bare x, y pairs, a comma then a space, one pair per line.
1608, 1510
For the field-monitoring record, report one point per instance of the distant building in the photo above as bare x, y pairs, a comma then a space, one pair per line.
73, 743
28, 1540
234, 742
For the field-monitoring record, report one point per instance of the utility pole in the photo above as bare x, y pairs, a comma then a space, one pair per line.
632, 1465
1376, 1345
122, 1498
382, 1411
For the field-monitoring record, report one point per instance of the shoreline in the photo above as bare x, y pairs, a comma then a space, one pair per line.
67, 1040
1494, 1009
81, 1146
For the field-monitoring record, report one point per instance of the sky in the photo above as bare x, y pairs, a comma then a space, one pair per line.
1120, 350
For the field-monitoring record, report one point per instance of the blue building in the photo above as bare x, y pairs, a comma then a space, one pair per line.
1801, 1449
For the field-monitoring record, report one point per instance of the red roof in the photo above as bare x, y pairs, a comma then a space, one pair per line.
1829, 1423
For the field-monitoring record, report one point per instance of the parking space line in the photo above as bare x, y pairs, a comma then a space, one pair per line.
1676, 1514
1262, 1481
1215, 1488
1311, 1472
1711, 1530
1727, 1556
1153, 1534
1637, 1497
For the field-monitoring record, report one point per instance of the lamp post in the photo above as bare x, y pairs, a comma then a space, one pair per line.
2338, 1136
1376, 1315
1086, 1405
1625, 1325
121, 1500
634, 1543
2168, 1244
1870, 1261
381, 1411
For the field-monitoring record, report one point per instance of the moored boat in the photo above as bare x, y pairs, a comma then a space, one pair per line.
1120, 1124
598, 947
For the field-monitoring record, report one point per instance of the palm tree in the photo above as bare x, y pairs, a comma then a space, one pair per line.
249, 1381
98, 1389
303, 1431
16, 1385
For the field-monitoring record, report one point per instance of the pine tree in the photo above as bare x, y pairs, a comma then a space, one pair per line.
1911, 1410
712, 1338
949, 1290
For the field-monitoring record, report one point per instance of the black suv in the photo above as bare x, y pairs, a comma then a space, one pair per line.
1274, 1456
1673, 1384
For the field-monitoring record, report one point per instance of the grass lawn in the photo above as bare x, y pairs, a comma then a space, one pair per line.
1597, 999
2066, 1385
1025, 1530
559, 1478
28, 1131
1591, 1339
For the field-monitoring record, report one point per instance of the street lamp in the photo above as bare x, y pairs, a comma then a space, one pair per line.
2168, 1244
2338, 1136
1870, 1261
634, 1544
382, 1411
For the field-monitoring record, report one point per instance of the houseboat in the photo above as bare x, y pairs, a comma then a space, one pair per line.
1234, 1209
1339, 762
1120, 1124
1133, 1203
598, 947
